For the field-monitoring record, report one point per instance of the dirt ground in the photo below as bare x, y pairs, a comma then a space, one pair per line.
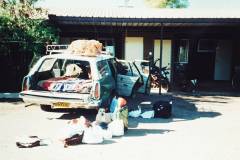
202, 127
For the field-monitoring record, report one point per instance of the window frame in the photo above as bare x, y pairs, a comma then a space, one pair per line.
187, 51
200, 50
106, 66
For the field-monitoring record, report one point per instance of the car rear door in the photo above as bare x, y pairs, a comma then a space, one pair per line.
128, 78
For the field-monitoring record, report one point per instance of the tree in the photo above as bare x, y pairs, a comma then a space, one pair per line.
167, 3
27, 25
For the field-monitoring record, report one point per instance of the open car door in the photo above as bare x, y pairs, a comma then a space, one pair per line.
144, 69
129, 79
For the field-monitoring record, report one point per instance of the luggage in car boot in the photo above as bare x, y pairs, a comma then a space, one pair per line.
162, 109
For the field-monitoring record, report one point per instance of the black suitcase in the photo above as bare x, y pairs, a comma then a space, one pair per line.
162, 109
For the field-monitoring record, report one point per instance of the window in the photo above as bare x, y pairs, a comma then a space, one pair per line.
103, 68
108, 45
112, 65
47, 65
207, 45
57, 68
183, 51
123, 68
135, 71
83, 65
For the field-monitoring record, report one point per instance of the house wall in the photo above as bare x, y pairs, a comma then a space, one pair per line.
133, 48
166, 53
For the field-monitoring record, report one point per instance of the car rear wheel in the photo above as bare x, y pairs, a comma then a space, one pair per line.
46, 108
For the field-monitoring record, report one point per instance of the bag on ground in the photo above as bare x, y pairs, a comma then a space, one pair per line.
31, 141
116, 127
162, 109
123, 115
147, 114
92, 135
74, 140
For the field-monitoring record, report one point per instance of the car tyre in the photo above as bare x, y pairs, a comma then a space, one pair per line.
46, 108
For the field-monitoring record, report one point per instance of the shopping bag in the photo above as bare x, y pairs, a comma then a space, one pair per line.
116, 127
92, 135
74, 140
123, 115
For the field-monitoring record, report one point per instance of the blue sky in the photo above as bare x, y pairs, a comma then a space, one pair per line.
194, 4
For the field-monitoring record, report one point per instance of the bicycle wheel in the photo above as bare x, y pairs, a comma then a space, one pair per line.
236, 82
164, 85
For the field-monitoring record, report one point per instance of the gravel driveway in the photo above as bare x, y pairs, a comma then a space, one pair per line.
203, 127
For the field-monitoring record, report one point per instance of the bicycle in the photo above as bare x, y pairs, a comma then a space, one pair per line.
159, 80
182, 82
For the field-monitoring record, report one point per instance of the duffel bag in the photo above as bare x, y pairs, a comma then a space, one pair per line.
162, 109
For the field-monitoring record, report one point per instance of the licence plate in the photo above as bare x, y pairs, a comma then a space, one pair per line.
61, 105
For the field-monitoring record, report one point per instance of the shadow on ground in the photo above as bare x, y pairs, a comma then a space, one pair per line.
133, 132
72, 114
185, 107
11, 100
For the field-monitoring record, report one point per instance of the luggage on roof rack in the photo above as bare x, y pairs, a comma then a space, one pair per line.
80, 47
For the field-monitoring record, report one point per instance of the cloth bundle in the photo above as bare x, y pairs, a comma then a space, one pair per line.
85, 47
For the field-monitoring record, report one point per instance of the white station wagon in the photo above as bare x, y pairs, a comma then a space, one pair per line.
101, 77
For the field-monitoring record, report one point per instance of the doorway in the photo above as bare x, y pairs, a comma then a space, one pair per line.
223, 60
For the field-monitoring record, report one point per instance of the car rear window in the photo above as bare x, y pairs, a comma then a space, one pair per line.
47, 65
59, 67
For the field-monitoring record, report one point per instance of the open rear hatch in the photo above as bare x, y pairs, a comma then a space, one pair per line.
61, 83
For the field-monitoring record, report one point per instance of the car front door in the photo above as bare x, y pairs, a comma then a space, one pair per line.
128, 78
143, 68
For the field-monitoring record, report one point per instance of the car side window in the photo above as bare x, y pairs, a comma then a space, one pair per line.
135, 71
57, 68
103, 68
47, 65
112, 65
123, 68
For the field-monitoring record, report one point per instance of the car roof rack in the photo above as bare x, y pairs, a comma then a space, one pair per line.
55, 48
60, 48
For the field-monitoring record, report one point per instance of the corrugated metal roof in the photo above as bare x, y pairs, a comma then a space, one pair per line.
145, 17
145, 13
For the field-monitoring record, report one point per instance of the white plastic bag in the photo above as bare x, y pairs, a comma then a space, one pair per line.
147, 114
106, 134
69, 130
116, 127
92, 135
135, 113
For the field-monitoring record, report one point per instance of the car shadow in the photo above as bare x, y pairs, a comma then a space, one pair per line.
185, 107
77, 113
